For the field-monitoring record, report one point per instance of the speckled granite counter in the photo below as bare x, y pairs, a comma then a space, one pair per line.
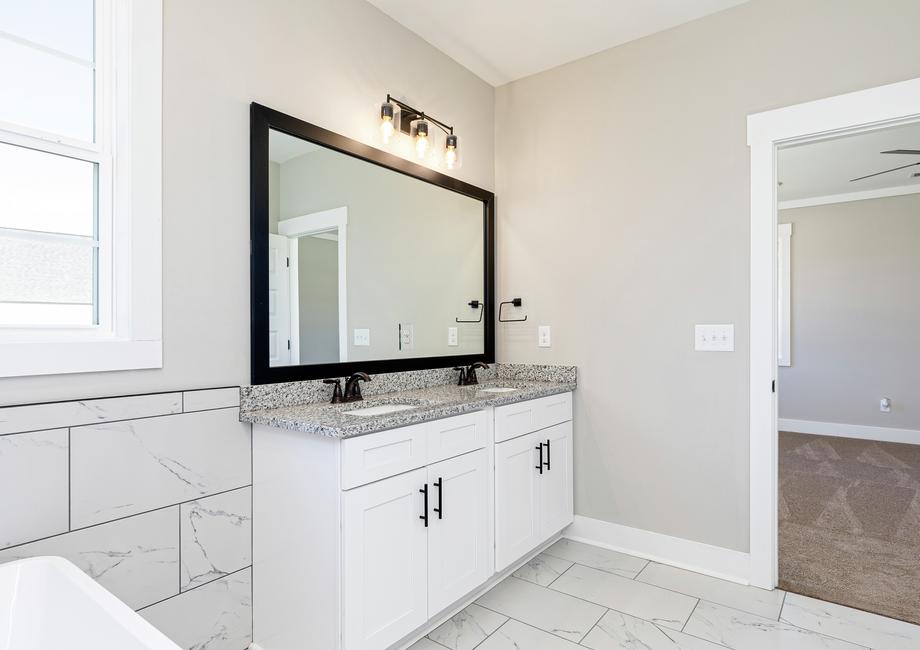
429, 403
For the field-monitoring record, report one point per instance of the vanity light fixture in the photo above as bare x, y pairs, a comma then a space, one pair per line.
416, 124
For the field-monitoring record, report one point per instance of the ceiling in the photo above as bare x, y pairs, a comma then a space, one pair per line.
825, 168
505, 40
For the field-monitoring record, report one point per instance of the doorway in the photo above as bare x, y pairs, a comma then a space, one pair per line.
768, 132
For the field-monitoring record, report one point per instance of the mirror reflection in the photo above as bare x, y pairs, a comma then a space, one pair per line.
366, 263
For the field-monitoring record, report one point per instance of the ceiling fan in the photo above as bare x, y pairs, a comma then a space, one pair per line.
908, 152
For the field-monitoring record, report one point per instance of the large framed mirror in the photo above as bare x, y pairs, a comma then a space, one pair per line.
362, 260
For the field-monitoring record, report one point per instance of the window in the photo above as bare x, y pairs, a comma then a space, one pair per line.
80, 152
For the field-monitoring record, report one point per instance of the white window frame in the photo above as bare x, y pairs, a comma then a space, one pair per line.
128, 151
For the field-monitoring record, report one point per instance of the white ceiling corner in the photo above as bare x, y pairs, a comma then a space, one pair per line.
509, 39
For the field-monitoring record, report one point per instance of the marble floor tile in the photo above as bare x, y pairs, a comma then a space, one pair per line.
551, 611
616, 631
749, 599
596, 557
542, 569
467, 628
425, 644
515, 635
856, 626
741, 631
649, 602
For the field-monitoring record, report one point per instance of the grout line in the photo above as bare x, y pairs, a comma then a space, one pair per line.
136, 514
594, 625
179, 516
779, 616
163, 600
69, 484
682, 627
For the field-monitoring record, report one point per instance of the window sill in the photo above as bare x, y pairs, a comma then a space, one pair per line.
54, 358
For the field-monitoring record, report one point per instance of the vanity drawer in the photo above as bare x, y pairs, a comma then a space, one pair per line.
513, 420
379, 455
457, 435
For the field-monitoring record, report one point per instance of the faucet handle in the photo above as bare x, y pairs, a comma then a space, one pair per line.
461, 381
337, 391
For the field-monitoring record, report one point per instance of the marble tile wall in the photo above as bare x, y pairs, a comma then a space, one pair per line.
151, 495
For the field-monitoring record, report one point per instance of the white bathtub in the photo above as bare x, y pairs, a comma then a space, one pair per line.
47, 603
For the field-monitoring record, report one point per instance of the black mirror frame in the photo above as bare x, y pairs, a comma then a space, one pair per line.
262, 119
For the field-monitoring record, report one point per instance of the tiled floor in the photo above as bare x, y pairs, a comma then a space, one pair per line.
575, 596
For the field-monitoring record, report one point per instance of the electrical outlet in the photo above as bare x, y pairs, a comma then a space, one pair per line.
544, 338
406, 336
453, 339
715, 338
362, 337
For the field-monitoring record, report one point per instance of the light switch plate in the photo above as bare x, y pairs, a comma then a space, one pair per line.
544, 336
362, 337
715, 338
453, 338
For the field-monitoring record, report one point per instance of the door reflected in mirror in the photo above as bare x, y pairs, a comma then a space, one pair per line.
366, 263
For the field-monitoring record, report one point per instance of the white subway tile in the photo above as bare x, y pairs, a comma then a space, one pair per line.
33, 417
33, 486
212, 398
215, 616
128, 467
215, 536
137, 558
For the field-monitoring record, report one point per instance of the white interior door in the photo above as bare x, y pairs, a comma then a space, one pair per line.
384, 561
556, 488
517, 508
459, 533
279, 302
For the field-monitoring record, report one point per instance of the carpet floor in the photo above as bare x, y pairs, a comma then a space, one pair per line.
849, 522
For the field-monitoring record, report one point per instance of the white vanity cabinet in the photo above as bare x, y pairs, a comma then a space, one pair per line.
534, 496
346, 555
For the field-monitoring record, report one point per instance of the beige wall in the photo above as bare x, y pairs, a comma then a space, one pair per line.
623, 202
330, 62
318, 284
855, 313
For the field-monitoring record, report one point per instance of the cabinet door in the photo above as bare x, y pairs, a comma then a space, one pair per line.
556, 490
460, 531
385, 553
517, 508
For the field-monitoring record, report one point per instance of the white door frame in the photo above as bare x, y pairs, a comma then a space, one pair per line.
826, 118
318, 222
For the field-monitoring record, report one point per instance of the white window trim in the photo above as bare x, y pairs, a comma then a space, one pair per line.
129, 335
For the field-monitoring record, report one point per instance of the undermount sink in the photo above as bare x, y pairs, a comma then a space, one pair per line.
497, 389
383, 409
47, 602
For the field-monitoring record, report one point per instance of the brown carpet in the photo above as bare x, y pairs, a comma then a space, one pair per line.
849, 522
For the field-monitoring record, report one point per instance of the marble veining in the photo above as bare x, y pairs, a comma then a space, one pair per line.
468, 628
215, 535
432, 403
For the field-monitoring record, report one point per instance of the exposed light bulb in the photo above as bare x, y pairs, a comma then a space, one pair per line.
421, 139
386, 121
450, 151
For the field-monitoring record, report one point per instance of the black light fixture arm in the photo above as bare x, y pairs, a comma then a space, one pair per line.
447, 128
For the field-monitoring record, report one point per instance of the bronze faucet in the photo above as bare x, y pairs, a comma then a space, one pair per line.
352, 392
468, 375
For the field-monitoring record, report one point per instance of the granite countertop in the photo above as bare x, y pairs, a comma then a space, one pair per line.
430, 403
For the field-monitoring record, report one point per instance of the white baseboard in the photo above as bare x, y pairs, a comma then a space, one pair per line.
863, 432
710, 560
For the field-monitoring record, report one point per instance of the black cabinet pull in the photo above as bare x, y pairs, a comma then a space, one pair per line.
440, 485
540, 464
424, 517
547, 455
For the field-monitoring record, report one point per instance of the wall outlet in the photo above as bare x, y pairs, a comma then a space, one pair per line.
884, 405
715, 338
362, 337
406, 336
544, 336
453, 338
